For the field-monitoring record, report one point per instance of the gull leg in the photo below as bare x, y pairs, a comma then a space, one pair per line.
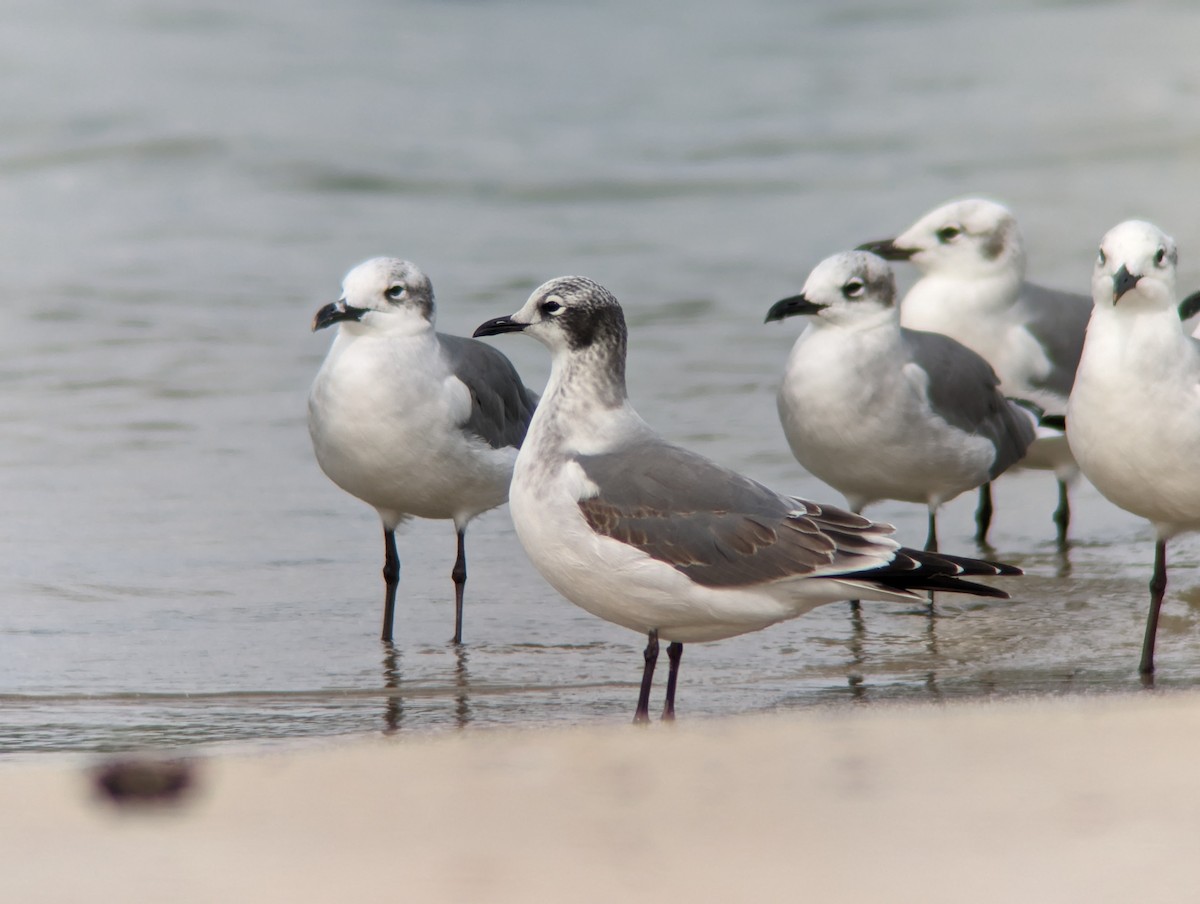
931, 541
931, 545
459, 575
856, 605
983, 514
391, 579
1062, 514
1158, 586
674, 654
642, 713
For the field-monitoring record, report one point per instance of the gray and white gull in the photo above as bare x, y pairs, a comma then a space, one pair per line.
659, 539
412, 421
1134, 415
878, 411
973, 289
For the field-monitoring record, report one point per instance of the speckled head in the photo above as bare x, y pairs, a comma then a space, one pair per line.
570, 312
582, 324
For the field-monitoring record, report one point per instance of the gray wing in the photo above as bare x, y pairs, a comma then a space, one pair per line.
963, 390
501, 405
719, 528
1058, 321
724, 530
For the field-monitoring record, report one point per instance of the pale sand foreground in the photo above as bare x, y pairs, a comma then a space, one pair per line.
1061, 800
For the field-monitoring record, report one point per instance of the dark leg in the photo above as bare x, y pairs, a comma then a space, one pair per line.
931, 544
1062, 514
459, 576
674, 654
1158, 586
983, 514
391, 578
855, 605
642, 714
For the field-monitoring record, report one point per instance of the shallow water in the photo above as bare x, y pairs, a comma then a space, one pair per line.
181, 189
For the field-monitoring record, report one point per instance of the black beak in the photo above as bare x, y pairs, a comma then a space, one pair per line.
888, 250
1123, 281
335, 312
498, 325
795, 306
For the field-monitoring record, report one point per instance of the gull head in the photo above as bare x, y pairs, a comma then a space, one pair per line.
1135, 268
971, 238
383, 294
854, 287
567, 314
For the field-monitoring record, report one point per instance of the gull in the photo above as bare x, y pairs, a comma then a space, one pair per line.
1134, 417
973, 289
659, 539
878, 411
409, 420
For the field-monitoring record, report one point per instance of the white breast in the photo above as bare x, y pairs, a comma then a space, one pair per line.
385, 416
1134, 420
860, 421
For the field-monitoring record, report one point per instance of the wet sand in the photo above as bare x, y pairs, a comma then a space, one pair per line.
1068, 799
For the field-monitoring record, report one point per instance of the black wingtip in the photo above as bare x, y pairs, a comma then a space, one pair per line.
914, 569
968, 565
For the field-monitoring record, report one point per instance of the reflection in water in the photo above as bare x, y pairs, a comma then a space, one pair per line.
393, 710
459, 687
462, 680
1064, 560
931, 647
858, 636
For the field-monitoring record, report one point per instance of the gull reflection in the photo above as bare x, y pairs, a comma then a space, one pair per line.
462, 685
393, 710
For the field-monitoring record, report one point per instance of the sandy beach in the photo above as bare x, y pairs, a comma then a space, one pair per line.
1056, 800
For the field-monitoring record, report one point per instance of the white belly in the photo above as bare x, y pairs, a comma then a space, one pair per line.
390, 438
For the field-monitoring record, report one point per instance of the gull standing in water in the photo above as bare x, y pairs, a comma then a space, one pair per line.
658, 539
409, 420
973, 289
1134, 417
878, 411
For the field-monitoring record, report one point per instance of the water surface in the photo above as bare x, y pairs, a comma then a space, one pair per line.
181, 188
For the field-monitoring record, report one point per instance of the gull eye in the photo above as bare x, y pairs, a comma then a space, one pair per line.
854, 288
1102, 259
550, 307
395, 293
1160, 256
948, 234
